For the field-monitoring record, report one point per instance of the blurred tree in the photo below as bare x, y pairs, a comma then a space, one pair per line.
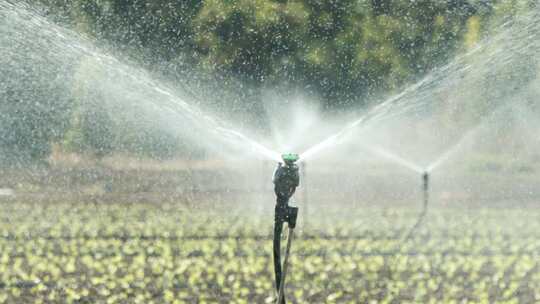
34, 109
345, 51
92, 130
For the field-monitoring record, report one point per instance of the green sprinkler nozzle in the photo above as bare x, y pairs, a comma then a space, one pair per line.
290, 158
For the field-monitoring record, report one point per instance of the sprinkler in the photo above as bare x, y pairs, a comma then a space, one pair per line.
286, 178
425, 183
425, 203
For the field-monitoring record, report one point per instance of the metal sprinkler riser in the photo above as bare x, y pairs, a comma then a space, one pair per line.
286, 178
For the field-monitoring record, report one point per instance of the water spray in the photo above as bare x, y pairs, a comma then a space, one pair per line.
286, 178
378, 150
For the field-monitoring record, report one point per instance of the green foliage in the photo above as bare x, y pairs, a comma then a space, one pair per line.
342, 50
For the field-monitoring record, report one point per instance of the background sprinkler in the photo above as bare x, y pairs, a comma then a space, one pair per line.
423, 213
425, 183
304, 197
286, 178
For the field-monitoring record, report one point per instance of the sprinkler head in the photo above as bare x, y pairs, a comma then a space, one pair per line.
290, 158
286, 178
425, 179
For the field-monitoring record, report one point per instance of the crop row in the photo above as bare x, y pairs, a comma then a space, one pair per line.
150, 254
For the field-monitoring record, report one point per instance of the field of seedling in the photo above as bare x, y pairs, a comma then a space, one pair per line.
179, 253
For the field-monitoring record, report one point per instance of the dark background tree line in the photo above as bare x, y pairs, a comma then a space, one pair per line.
343, 51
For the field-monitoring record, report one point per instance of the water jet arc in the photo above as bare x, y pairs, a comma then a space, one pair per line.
25, 31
